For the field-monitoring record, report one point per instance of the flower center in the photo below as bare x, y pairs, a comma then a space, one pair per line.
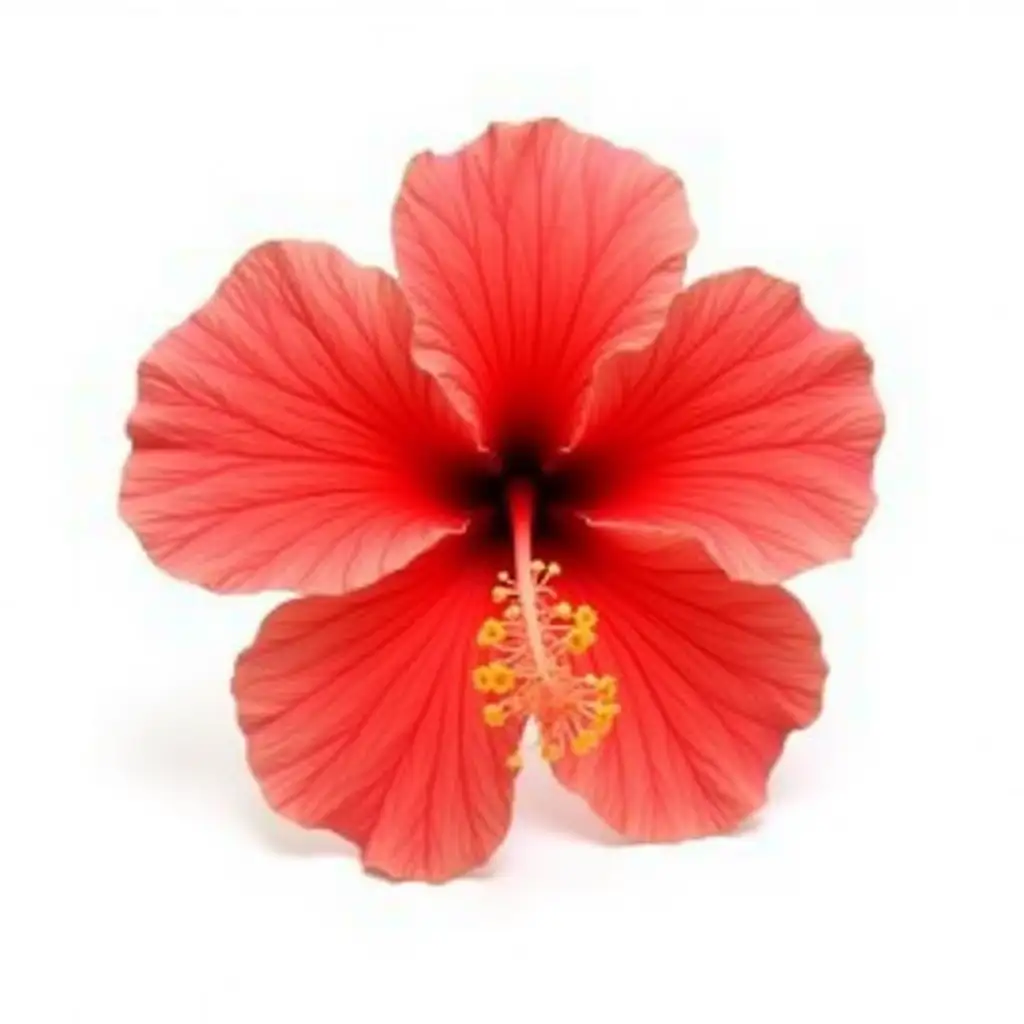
536, 640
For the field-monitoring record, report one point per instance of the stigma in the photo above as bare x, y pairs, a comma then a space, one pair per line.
534, 640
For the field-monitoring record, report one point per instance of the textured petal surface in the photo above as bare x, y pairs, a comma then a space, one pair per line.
528, 255
283, 438
712, 676
360, 717
746, 424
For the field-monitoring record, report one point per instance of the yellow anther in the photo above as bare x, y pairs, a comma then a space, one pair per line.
495, 715
492, 632
483, 678
584, 741
580, 640
585, 617
502, 678
533, 672
552, 752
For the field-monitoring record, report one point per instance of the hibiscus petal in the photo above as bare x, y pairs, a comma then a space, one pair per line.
360, 717
746, 424
282, 436
527, 256
712, 676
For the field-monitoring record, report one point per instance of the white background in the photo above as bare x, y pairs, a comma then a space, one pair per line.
873, 158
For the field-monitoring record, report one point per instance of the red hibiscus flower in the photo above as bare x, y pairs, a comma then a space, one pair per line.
530, 479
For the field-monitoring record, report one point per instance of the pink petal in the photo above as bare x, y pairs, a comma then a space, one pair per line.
527, 256
360, 717
746, 424
283, 438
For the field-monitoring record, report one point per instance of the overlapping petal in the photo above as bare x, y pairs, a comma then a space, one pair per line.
746, 424
360, 717
526, 257
283, 438
713, 674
